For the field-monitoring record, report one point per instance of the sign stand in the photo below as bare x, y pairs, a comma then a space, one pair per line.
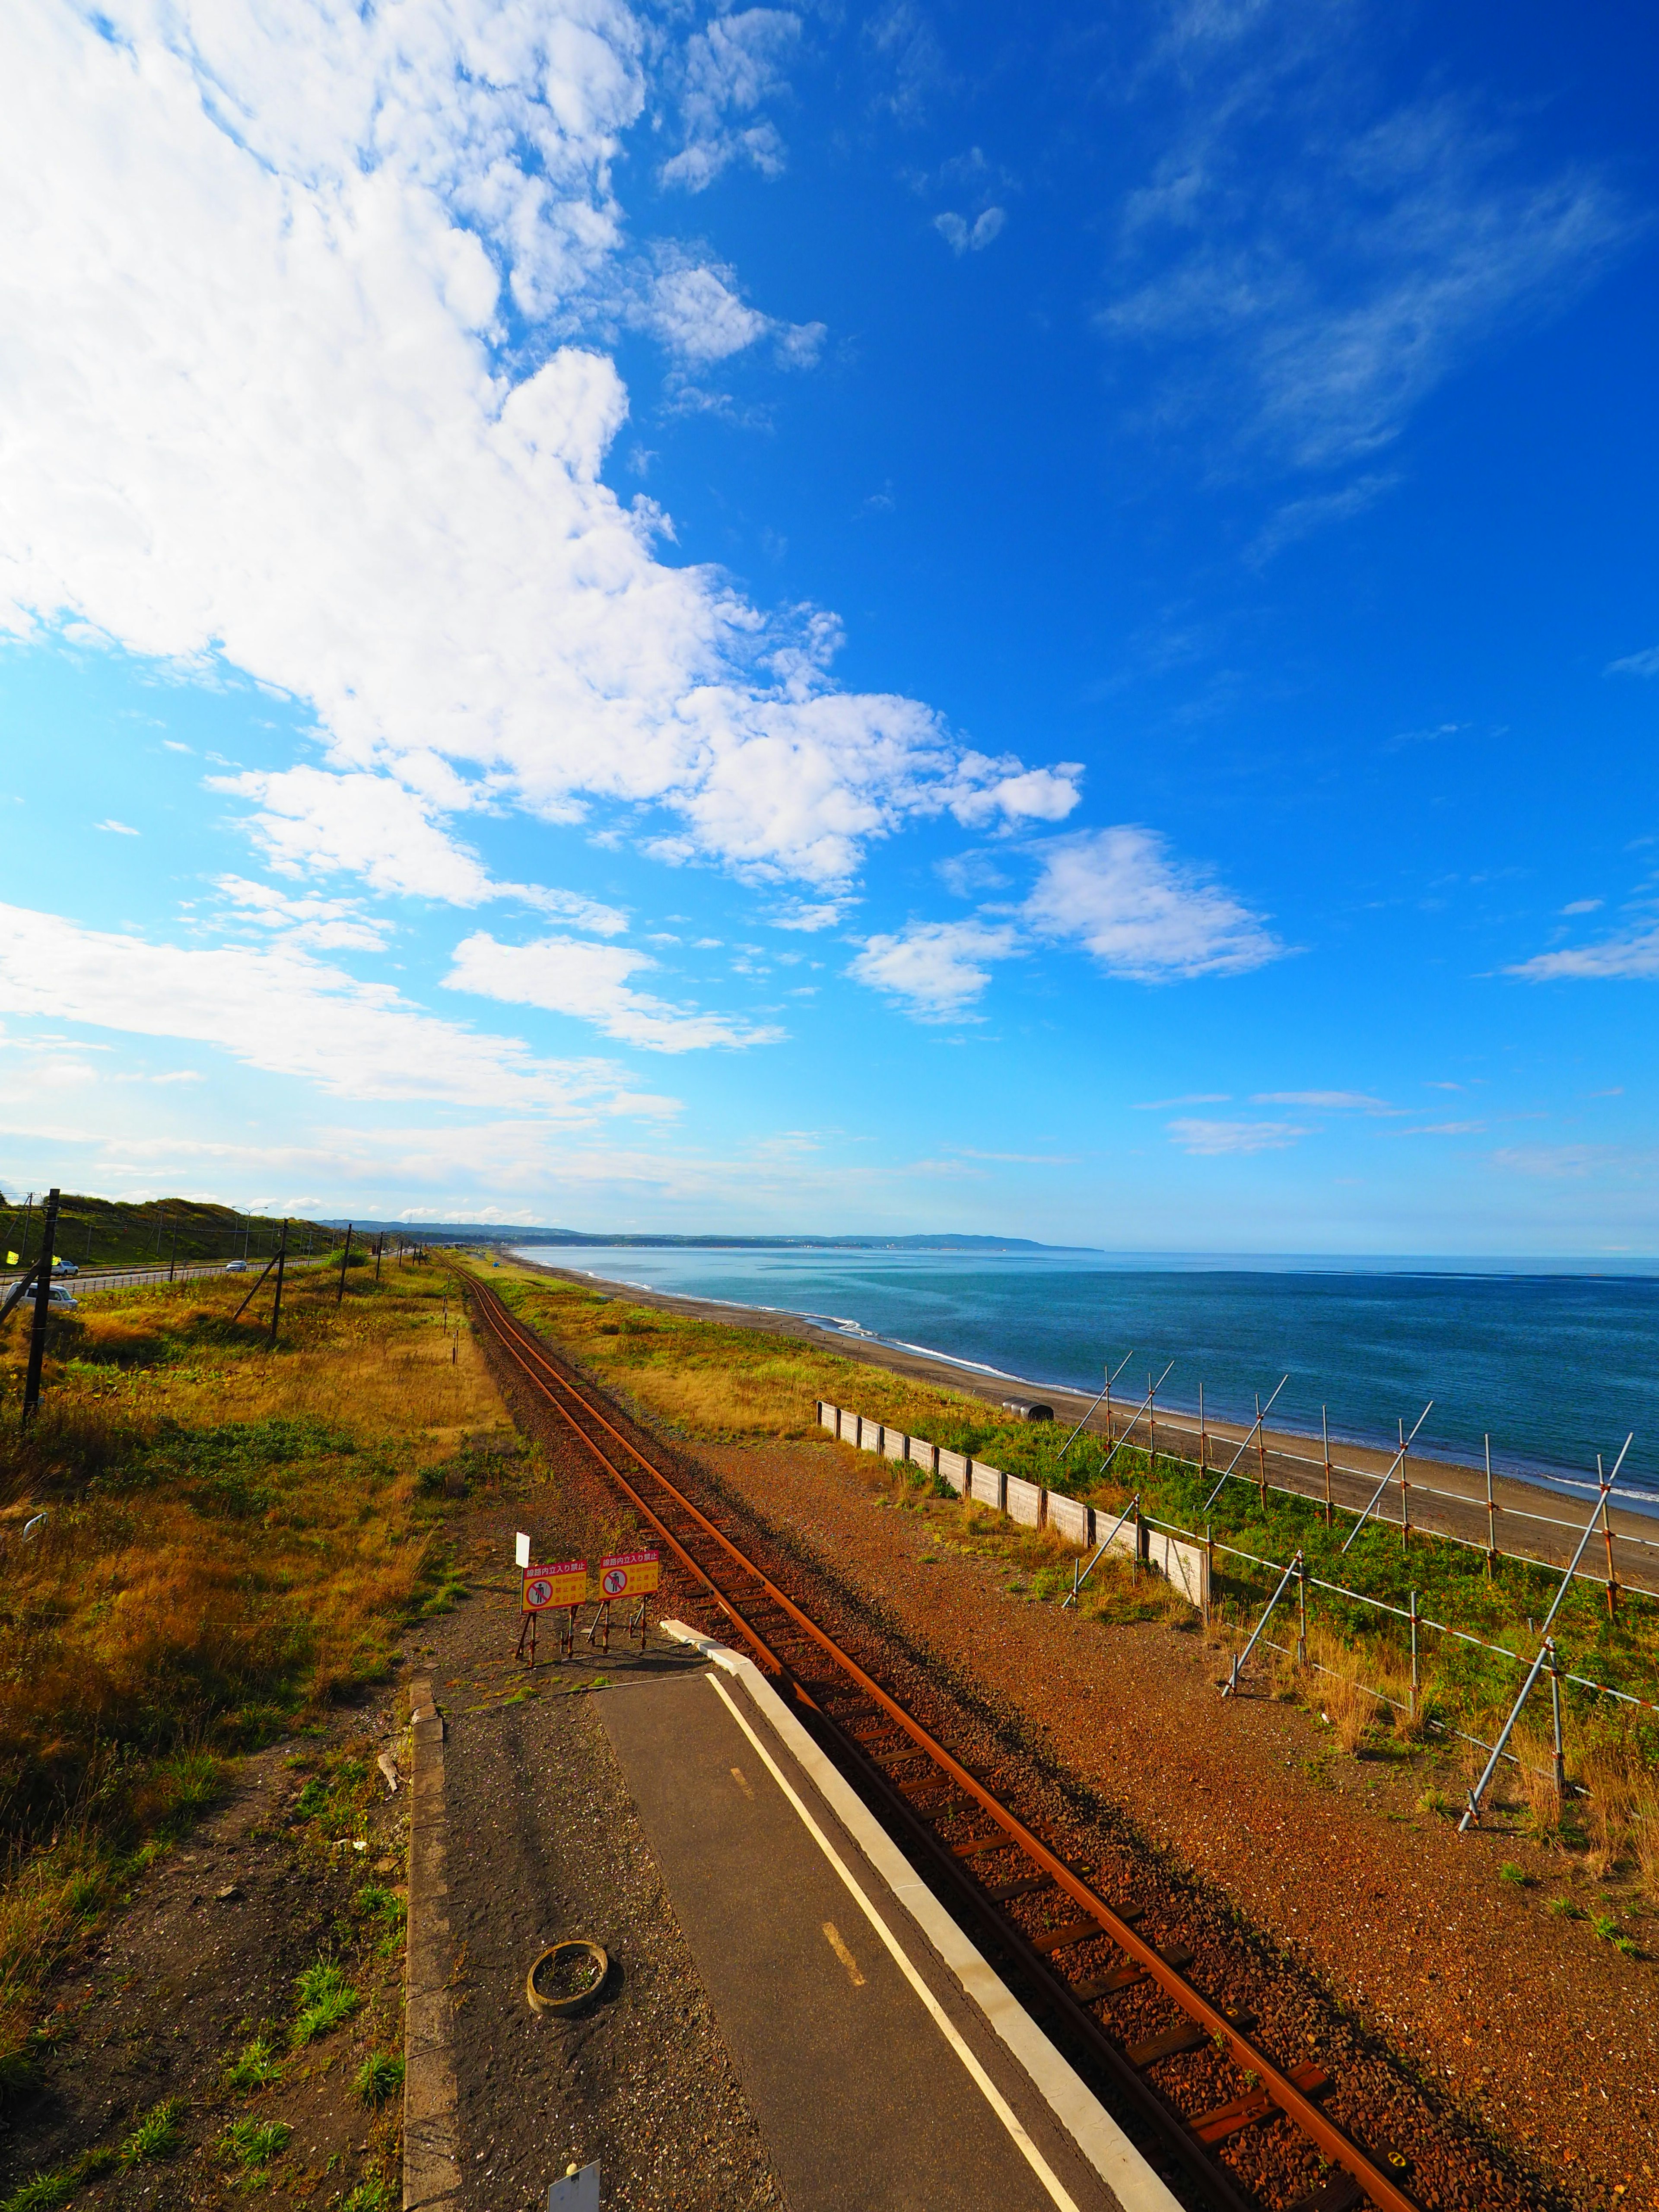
550, 1589
527, 1628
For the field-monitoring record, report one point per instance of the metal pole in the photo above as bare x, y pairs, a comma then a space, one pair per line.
42, 1308
1560, 1762
1107, 1394
1478, 1790
1300, 1615
1245, 1446
247, 1231
1325, 1438
1613, 1582
1383, 1485
1405, 1493
1414, 1676
1151, 1427
277, 1309
173, 1250
345, 1257
1203, 1436
379, 1246
1260, 1450
1229, 1688
1491, 1517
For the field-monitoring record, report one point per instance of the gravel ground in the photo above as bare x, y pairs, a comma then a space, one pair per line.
543, 1844
1541, 2035
1508, 2052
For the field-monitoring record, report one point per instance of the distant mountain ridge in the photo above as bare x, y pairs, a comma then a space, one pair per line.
495, 1232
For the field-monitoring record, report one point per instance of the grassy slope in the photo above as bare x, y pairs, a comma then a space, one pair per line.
233, 1534
104, 1232
718, 1381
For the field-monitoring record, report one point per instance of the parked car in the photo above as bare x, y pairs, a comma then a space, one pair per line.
61, 1301
236, 1267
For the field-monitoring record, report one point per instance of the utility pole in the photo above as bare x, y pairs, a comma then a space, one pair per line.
42, 1308
379, 1246
173, 1255
247, 1231
345, 1261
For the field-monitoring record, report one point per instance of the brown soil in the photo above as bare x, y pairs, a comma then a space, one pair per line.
1510, 2054
204, 1958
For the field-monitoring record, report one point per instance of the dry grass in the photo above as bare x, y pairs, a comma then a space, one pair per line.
233, 1534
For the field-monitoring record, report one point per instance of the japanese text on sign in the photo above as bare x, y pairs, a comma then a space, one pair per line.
628, 1574
566, 1584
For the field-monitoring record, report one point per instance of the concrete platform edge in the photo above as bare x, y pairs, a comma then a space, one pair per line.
1098, 2138
432, 2173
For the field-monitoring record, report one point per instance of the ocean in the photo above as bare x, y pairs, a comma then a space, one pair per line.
1555, 1368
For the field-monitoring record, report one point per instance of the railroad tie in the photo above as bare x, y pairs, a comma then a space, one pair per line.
1340, 2194
1184, 2036
1003, 1890
1130, 1977
1061, 1939
1256, 2104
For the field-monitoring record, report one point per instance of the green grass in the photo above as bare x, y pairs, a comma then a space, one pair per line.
256, 2067
1518, 1877
106, 1232
156, 2135
45, 2193
327, 2001
379, 2077
374, 2194
254, 2143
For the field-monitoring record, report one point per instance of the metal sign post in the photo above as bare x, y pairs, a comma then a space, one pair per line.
625, 1575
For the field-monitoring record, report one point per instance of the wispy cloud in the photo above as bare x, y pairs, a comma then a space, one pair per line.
1191, 1098
730, 68
1301, 518
1327, 1102
1143, 913
1635, 664
963, 236
569, 975
1212, 1138
117, 829
1636, 954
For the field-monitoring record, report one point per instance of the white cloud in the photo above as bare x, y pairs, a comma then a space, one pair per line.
1581, 906
282, 1011
567, 977
1301, 518
322, 924
730, 67
1328, 1102
1310, 299
1190, 1098
118, 829
1212, 1138
990, 787
1121, 895
697, 310
1635, 664
934, 967
964, 237
1636, 954
259, 414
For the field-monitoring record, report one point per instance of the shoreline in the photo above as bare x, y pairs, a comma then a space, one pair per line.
1464, 1486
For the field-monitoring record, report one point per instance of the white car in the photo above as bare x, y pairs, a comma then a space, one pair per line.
64, 1268
236, 1267
61, 1300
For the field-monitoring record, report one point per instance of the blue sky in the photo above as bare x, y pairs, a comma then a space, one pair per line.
874, 619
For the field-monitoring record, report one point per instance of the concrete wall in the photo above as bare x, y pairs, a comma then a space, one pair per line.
1024, 1502
1185, 1565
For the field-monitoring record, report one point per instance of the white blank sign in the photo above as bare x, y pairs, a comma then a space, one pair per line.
577, 2192
521, 1548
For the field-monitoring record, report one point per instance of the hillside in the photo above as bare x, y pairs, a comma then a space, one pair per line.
105, 1232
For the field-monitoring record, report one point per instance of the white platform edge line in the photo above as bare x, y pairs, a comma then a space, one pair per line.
1079, 2112
982, 2081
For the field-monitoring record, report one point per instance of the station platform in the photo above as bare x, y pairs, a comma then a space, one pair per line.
881, 2079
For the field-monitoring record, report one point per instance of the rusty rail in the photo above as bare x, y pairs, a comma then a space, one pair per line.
1273, 2090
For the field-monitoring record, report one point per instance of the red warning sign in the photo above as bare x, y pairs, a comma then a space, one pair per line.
560, 1585
628, 1574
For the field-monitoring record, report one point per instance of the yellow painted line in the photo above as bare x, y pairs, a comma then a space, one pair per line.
946, 2027
837, 1944
736, 1776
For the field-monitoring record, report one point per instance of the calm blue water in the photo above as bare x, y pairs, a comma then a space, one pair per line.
1556, 1367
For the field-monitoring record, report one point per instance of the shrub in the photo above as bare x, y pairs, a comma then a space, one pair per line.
156, 2135
379, 2077
327, 2001
255, 2067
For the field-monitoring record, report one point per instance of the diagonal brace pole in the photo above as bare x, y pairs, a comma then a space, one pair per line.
1230, 1687
1261, 1416
1538, 1664
1136, 1415
1078, 1580
1099, 1395
1384, 1485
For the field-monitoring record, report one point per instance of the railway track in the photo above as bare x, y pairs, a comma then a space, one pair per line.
1247, 2131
